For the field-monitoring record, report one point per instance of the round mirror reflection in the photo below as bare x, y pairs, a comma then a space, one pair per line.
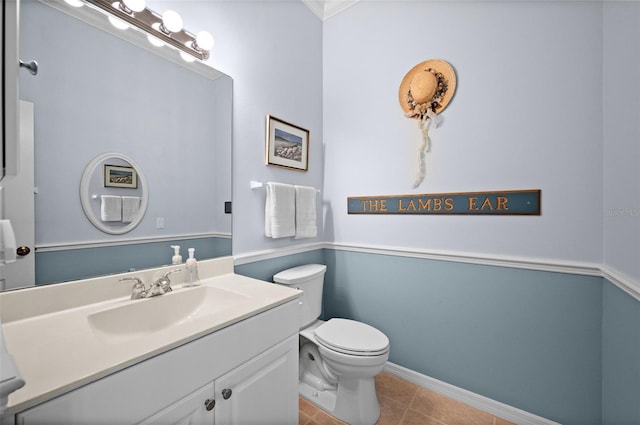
113, 193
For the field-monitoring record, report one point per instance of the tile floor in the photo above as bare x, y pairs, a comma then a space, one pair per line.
404, 403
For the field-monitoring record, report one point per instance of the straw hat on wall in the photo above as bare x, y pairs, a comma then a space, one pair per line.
430, 84
424, 92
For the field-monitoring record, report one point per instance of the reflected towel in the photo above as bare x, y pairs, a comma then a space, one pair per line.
279, 211
306, 212
130, 207
111, 208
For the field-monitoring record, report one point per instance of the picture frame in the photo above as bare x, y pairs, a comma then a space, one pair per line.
120, 176
287, 145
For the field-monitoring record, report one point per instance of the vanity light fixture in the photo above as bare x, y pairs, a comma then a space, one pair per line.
74, 3
171, 22
132, 6
161, 29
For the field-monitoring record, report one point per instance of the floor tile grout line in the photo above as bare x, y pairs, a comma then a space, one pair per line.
406, 410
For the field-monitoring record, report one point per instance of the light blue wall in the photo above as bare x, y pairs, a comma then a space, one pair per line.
264, 270
117, 106
529, 339
527, 113
621, 150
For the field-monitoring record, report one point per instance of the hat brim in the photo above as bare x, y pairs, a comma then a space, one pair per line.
438, 65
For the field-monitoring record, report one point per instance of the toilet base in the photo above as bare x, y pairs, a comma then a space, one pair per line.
354, 401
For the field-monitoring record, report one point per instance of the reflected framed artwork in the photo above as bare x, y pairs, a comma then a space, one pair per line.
287, 145
120, 176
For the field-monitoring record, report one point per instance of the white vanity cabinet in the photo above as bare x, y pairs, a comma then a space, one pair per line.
246, 373
260, 391
257, 392
194, 409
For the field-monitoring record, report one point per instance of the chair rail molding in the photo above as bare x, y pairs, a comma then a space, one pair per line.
626, 283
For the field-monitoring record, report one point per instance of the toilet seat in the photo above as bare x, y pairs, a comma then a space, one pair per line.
351, 337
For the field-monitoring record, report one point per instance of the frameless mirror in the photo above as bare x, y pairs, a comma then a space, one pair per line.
103, 90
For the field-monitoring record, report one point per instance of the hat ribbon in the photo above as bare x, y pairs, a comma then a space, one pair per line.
428, 120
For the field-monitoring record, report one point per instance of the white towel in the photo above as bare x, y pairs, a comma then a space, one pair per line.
306, 212
130, 207
279, 211
111, 208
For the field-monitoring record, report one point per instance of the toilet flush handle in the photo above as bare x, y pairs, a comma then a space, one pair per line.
299, 300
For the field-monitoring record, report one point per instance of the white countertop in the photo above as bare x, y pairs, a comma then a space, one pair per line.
57, 350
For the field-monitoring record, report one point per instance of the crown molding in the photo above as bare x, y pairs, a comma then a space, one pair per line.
324, 9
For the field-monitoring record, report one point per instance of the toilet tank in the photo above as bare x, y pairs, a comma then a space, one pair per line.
310, 280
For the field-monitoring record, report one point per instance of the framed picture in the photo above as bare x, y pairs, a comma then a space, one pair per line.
287, 144
120, 176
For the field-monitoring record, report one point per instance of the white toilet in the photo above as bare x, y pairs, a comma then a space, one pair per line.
339, 358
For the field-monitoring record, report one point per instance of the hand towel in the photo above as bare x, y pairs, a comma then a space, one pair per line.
306, 212
111, 208
130, 207
280, 210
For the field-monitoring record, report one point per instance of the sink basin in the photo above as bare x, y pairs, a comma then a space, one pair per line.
141, 317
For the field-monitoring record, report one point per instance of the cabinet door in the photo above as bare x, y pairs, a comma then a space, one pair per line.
262, 391
194, 409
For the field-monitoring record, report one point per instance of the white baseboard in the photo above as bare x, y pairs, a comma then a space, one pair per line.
485, 404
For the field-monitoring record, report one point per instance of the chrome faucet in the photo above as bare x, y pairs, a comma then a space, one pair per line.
139, 289
159, 287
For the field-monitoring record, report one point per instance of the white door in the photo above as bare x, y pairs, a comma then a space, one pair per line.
194, 409
19, 206
263, 391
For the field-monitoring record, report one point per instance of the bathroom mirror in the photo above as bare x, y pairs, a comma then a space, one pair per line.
100, 90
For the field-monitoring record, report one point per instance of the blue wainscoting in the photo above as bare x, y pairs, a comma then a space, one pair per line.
530, 339
73, 264
621, 357
265, 269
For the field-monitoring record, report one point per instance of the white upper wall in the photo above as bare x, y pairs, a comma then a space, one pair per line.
621, 111
273, 52
527, 114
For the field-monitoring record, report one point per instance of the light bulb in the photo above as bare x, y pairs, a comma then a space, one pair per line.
134, 5
171, 21
155, 41
204, 40
118, 23
74, 3
187, 57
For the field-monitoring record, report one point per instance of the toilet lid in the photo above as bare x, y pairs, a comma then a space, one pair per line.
351, 337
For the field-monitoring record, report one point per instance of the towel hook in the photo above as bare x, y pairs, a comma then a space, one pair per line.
32, 66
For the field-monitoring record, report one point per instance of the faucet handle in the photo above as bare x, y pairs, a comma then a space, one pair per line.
164, 282
166, 275
139, 289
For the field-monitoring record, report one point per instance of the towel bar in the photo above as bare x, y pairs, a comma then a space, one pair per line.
253, 184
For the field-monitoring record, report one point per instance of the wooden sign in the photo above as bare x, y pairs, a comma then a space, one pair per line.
508, 202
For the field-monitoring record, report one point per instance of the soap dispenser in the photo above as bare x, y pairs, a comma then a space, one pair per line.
177, 258
191, 270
